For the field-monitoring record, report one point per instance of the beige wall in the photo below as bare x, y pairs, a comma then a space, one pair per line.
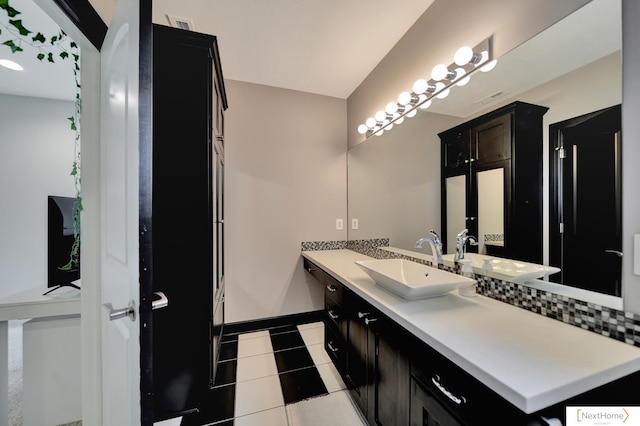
434, 38
285, 183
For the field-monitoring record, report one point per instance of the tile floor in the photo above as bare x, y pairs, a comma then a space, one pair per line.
281, 377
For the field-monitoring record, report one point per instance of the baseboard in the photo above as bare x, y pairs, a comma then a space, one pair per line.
264, 323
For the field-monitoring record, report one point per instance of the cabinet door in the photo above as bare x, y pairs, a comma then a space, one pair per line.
389, 398
491, 141
492, 190
456, 151
457, 213
356, 368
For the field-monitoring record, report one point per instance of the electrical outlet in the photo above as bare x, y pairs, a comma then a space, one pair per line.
339, 224
354, 223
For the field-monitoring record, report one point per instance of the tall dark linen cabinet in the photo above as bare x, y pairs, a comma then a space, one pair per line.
189, 101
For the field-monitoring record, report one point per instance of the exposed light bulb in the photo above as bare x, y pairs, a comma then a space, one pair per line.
444, 93
362, 129
11, 65
404, 98
425, 105
420, 86
489, 66
400, 120
370, 123
463, 56
461, 73
439, 72
391, 108
412, 113
380, 116
379, 132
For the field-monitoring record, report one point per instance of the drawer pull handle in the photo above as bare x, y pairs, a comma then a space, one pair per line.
363, 314
332, 348
458, 400
333, 315
368, 321
310, 269
331, 288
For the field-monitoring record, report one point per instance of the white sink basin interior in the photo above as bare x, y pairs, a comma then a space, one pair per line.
411, 280
504, 269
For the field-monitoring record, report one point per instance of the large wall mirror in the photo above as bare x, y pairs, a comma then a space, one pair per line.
574, 68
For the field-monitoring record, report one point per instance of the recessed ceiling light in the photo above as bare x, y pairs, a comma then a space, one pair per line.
11, 65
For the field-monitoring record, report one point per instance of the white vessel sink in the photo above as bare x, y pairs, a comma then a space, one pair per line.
411, 280
504, 269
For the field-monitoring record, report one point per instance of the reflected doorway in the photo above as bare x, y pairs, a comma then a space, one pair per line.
586, 201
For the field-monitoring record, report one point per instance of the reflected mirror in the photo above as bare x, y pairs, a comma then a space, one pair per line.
573, 68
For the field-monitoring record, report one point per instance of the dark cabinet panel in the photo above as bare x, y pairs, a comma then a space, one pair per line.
183, 219
504, 157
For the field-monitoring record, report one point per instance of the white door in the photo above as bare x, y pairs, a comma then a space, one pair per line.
119, 163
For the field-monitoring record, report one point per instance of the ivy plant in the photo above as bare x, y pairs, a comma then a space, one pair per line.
17, 37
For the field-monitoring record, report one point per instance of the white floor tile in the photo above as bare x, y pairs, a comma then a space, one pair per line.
254, 346
310, 325
333, 409
253, 335
319, 354
313, 336
273, 417
171, 422
257, 395
331, 377
254, 367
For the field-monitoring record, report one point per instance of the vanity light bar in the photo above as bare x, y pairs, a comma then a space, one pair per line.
466, 61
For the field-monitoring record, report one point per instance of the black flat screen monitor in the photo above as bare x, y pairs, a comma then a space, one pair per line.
62, 269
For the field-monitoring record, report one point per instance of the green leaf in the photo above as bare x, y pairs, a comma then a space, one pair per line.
40, 56
14, 47
50, 57
64, 55
73, 124
4, 4
17, 23
54, 39
40, 37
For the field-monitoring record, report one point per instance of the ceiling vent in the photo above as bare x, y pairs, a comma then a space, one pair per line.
490, 98
182, 23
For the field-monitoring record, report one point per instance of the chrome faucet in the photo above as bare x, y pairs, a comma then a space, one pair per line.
461, 243
436, 246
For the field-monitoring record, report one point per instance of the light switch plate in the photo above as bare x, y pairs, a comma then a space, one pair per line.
339, 224
354, 223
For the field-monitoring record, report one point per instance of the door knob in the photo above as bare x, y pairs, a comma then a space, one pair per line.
159, 301
129, 311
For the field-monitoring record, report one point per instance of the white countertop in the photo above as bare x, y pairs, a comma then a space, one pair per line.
530, 360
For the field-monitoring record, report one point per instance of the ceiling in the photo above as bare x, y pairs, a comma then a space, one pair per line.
324, 47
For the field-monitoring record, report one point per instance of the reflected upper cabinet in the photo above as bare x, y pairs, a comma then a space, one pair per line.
492, 182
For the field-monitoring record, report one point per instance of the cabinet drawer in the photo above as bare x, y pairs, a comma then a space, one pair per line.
333, 289
335, 314
314, 270
335, 347
462, 394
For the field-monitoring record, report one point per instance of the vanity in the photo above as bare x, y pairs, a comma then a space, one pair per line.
457, 360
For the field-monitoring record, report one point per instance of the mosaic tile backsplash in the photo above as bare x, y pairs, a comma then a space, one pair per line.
609, 322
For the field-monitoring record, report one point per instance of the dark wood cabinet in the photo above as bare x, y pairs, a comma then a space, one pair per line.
368, 349
186, 196
492, 182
